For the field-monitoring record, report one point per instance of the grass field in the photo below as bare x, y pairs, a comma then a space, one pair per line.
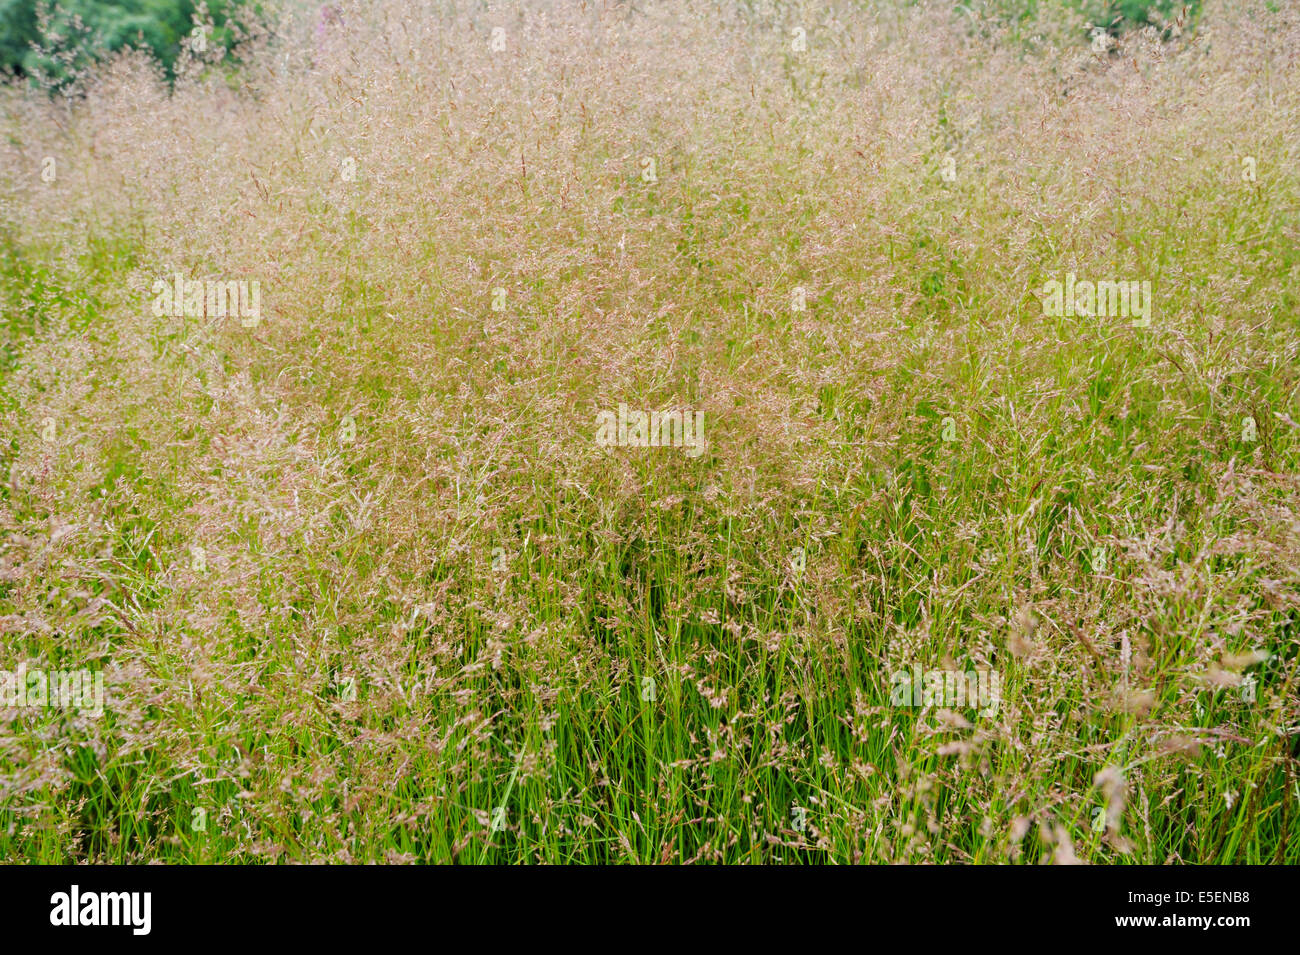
374, 569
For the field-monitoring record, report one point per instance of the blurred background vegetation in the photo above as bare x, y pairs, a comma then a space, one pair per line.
1115, 15
53, 39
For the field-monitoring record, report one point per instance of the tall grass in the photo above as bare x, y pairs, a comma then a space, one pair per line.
435, 620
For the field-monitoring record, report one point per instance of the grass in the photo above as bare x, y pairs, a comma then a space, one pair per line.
435, 620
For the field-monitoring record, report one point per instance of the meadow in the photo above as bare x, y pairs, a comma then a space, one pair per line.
321, 384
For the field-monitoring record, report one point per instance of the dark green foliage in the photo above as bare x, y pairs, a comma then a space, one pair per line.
76, 32
1115, 15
